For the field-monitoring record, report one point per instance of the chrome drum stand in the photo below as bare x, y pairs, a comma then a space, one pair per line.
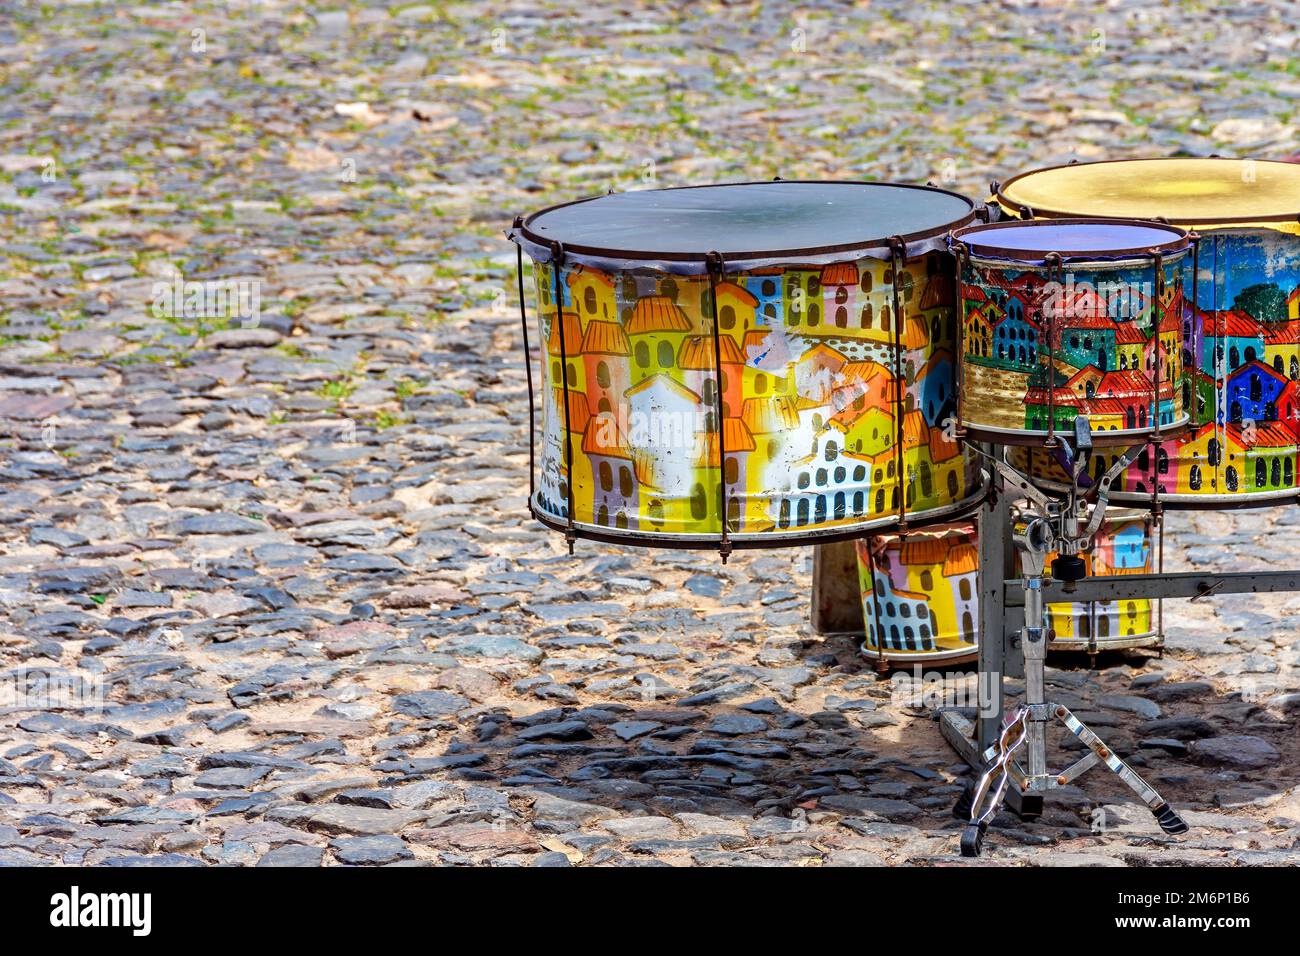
1066, 527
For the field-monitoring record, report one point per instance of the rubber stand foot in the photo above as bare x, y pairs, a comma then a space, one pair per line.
1169, 821
972, 839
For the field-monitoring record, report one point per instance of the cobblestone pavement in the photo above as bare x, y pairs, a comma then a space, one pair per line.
293, 557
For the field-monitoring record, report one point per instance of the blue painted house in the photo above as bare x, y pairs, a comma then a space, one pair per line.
1252, 393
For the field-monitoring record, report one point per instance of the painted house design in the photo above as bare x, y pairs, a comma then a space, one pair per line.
825, 408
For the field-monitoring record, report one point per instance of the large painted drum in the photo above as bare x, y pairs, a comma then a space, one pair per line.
757, 365
920, 602
1066, 320
1240, 320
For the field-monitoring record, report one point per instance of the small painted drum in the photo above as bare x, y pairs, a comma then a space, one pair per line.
1128, 543
919, 595
757, 365
920, 600
1240, 322
1070, 319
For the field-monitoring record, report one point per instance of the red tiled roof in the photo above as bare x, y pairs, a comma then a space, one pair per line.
1281, 333
1127, 333
1234, 323
1267, 435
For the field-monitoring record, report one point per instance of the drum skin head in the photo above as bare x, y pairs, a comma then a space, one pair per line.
1200, 192
744, 219
1079, 238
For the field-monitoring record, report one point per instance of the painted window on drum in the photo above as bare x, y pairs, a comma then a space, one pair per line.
760, 384
589, 300
865, 282
606, 478
642, 355
732, 471
1230, 478
727, 317
1194, 478
625, 485
1261, 473
666, 357
602, 374
954, 486
814, 314
699, 502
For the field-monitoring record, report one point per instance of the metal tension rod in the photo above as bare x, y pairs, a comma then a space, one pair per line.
1186, 584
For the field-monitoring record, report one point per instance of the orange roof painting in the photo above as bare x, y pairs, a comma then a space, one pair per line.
915, 430
738, 440
916, 334
580, 272
572, 335
767, 416
840, 273
923, 549
937, 294
962, 559
602, 437
697, 352
579, 414
729, 290
605, 338
824, 356
657, 313
942, 447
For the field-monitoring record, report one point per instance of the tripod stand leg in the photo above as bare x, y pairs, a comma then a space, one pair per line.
1169, 821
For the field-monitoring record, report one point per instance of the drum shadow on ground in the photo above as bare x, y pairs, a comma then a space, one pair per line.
862, 756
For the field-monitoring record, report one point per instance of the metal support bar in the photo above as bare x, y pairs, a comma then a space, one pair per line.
995, 568
1129, 587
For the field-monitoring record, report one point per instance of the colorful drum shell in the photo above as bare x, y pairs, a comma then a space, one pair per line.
1125, 545
925, 602
1113, 320
1241, 330
810, 421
